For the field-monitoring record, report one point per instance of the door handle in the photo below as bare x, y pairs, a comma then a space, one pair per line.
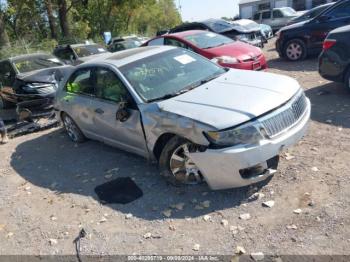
99, 111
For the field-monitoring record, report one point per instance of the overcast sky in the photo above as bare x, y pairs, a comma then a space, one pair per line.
192, 10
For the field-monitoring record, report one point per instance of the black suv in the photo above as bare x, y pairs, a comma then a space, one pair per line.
297, 41
334, 61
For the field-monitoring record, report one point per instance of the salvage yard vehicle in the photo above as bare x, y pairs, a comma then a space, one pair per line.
220, 26
29, 79
295, 42
276, 18
78, 53
200, 121
310, 14
218, 48
334, 61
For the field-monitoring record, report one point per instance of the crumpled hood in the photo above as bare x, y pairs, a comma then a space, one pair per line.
233, 98
47, 75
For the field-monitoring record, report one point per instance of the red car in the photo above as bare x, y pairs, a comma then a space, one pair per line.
218, 48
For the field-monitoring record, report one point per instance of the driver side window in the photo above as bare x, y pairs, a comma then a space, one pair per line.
340, 11
81, 83
109, 86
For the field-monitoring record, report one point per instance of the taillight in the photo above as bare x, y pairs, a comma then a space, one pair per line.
328, 43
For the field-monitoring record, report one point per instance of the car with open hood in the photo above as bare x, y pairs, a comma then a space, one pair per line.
297, 41
28, 78
218, 48
198, 120
75, 54
234, 31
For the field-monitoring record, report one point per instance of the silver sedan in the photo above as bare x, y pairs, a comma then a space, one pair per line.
199, 121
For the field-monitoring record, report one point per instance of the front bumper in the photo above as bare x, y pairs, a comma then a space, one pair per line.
221, 167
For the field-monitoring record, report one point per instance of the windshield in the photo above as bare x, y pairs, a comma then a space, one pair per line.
87, 50
219, 26
29, 64
169, 73
208, 40
288, 11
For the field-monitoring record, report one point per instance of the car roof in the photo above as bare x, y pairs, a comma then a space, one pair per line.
185, 33
26, 56
125, 57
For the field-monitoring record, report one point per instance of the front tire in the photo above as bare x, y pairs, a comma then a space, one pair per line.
295, 50
175, 163
72, 129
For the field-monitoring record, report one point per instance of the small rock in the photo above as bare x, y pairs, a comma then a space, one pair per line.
167, 213
294, 227
180, 206
256, 196
2, 226
311, 203
329, 121
53, 218
196, 247
289, 156
315, 169
245, 216
315, 149
293, 239
224, 222
172, 228
128, 216
240, 250
207, 218
27, 188
269, 204
52, 241
9, 234
297, 211
103, 219
108, 176
258, 256
198, 207
147, 235
318, 219
205, 204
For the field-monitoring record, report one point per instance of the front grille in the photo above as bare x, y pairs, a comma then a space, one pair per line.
285, 119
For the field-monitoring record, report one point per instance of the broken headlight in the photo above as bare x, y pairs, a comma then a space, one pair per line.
243, 135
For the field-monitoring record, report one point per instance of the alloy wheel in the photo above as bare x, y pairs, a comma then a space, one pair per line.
294, 51
183, 168
71, 128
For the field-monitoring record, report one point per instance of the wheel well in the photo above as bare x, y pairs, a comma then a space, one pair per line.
161, 142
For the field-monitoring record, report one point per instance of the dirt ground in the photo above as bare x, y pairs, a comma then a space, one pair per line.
47, 193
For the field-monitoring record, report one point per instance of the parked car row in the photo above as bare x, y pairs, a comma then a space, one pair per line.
176, 100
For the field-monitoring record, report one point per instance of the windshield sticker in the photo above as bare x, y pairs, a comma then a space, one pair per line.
184, 59
211, 35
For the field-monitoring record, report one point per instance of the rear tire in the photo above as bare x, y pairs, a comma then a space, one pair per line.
347, 80
72, 129
176, 165
295, 50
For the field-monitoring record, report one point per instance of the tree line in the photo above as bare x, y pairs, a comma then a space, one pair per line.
63, 20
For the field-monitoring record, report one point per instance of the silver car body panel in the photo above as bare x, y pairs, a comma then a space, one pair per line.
230, 100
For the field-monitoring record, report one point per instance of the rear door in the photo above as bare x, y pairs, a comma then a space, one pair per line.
110, 93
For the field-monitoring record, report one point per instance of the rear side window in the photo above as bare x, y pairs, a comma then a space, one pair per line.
340, 11
173, 42
158, 41
109, 86
277, 14
266, 15
81, 82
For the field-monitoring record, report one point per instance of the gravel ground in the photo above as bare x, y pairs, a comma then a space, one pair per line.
47, 193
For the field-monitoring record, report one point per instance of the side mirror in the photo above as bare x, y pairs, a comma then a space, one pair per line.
123, 114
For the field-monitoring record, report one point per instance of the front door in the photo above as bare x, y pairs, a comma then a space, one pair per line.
334, 18
110, 92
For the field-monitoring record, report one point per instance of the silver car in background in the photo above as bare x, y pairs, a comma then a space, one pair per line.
200, 121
